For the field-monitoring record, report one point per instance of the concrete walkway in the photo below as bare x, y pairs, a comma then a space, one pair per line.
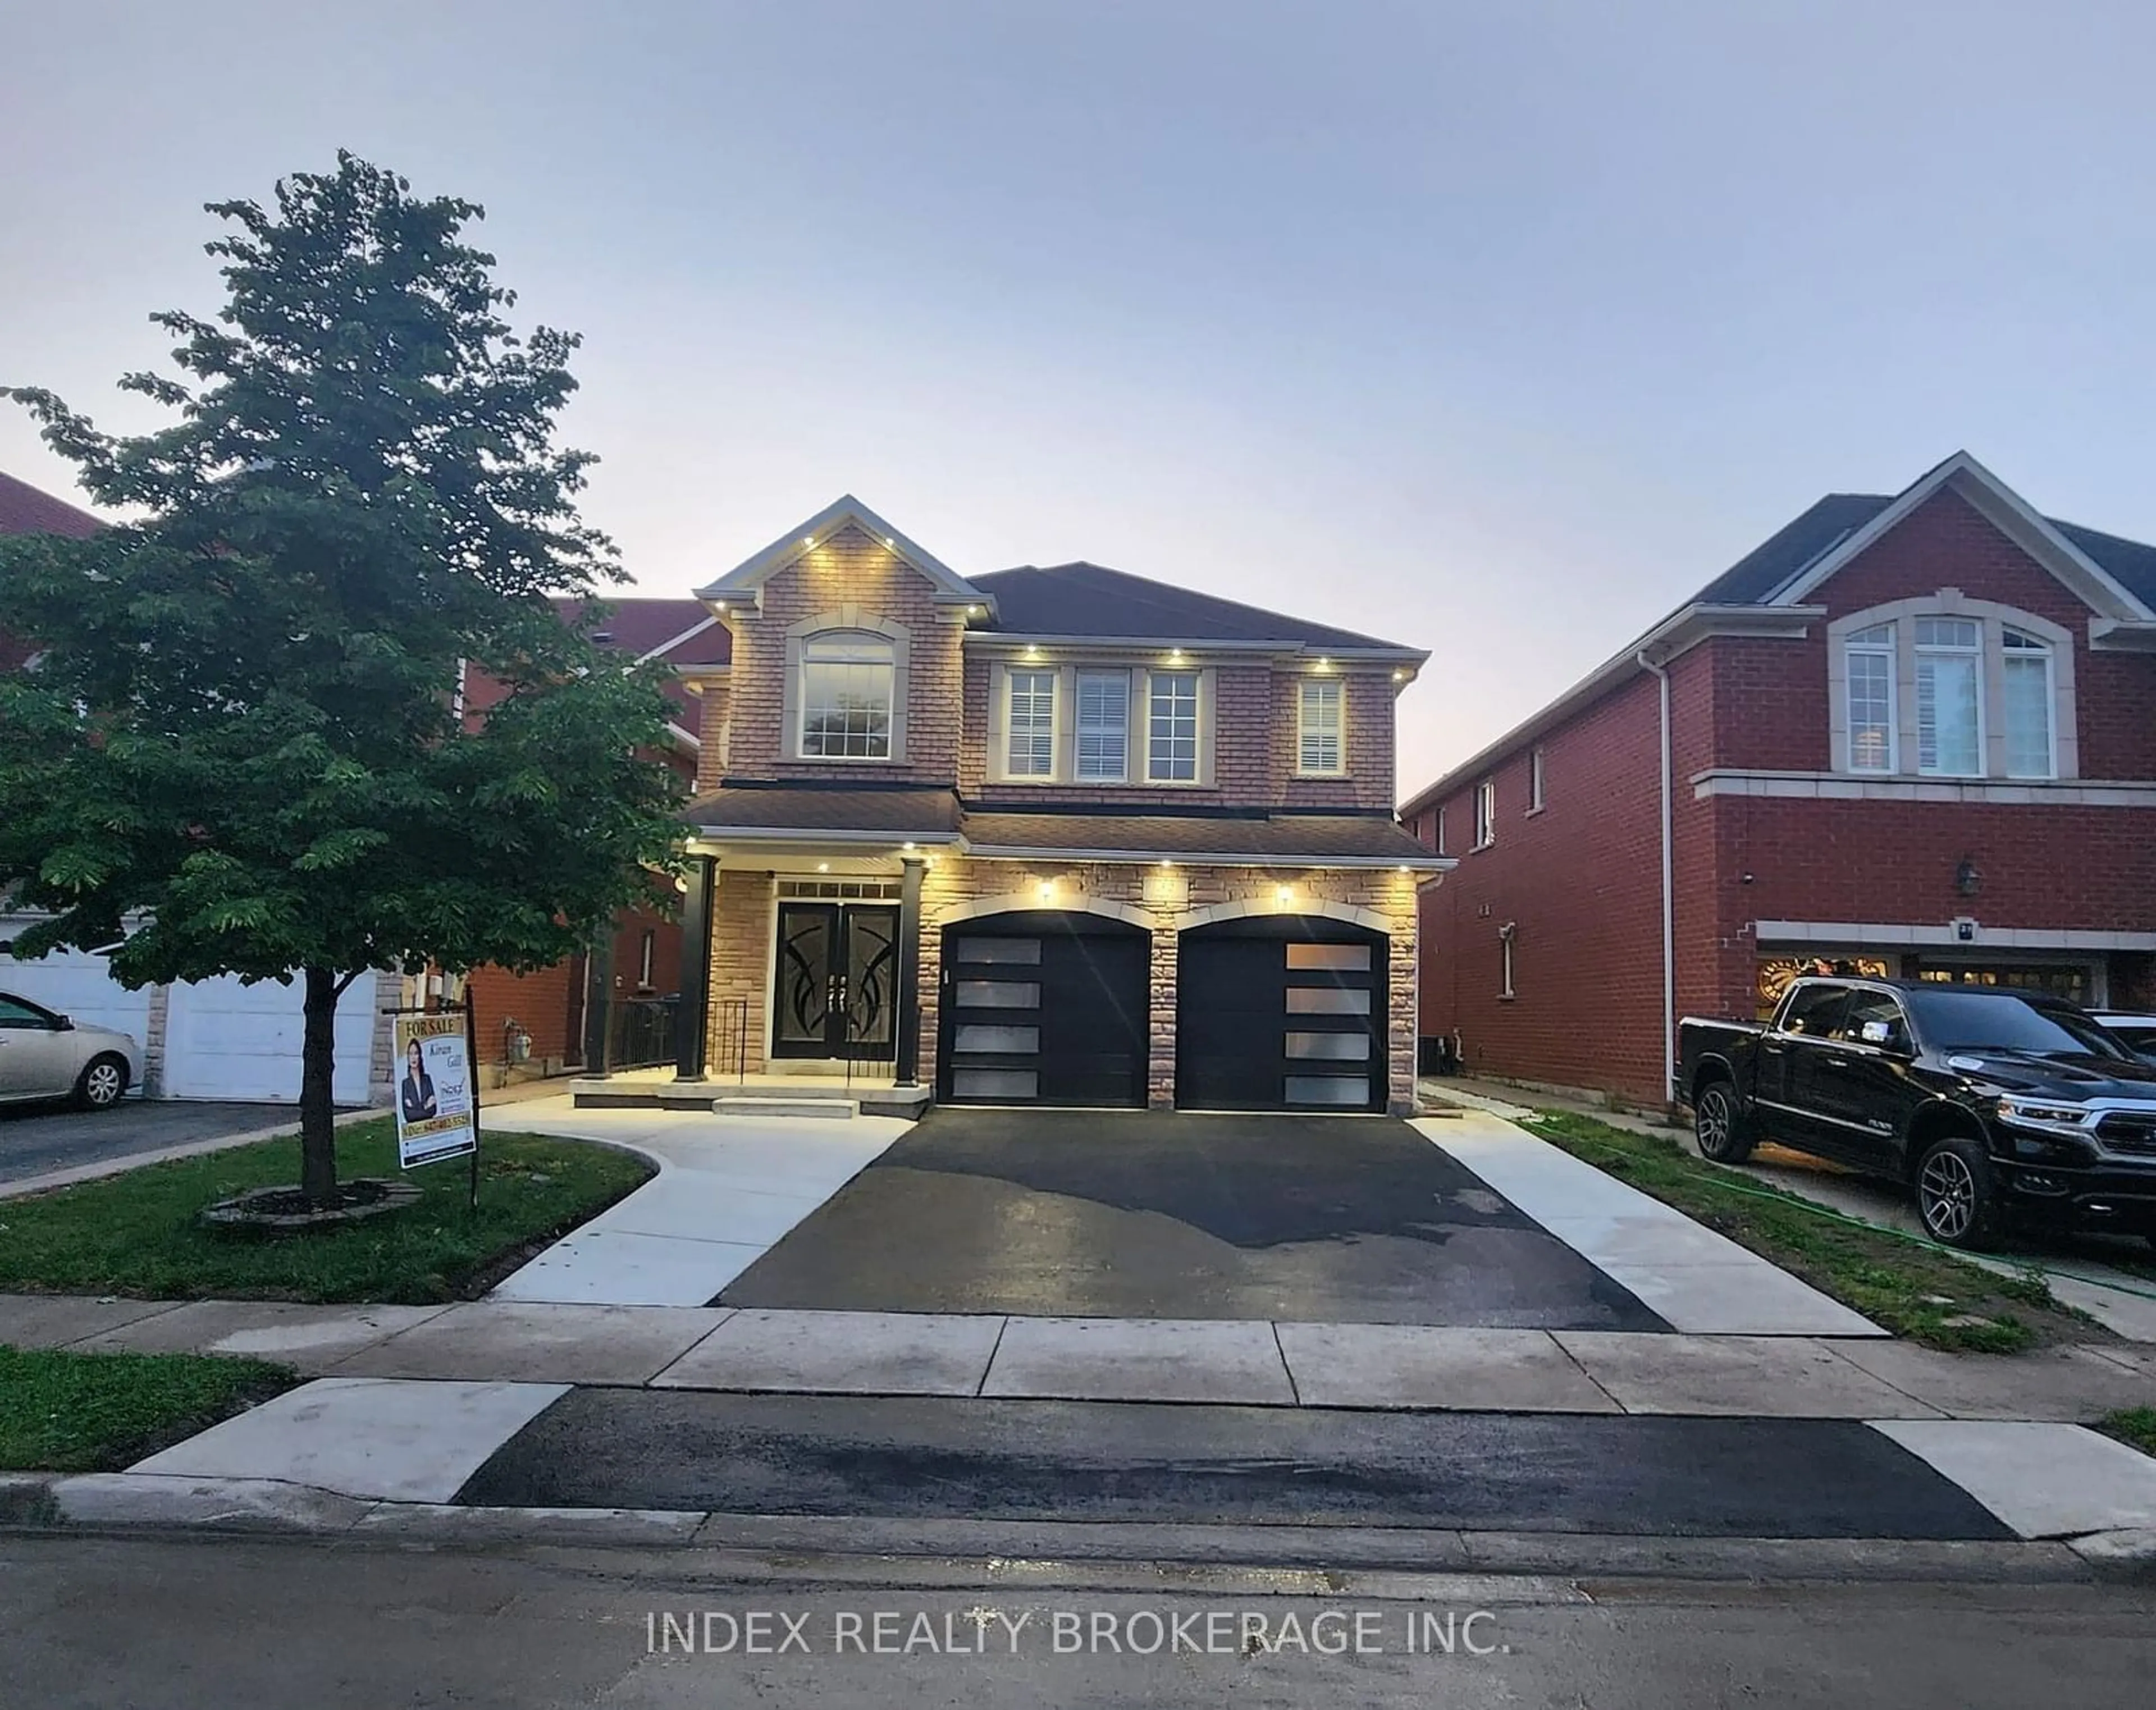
1699, 1282
728, 1187
2122, 1302
1288, 1364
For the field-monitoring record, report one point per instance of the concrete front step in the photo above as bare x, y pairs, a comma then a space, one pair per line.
733, 1099
753, 1104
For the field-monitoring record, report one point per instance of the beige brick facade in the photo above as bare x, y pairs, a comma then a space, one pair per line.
741, 944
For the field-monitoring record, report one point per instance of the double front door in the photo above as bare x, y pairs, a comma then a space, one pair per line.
836, 994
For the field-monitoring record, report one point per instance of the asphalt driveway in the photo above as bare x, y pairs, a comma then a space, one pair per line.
1140, 1215
38, 1139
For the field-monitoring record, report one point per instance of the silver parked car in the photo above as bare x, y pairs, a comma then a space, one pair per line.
43, 1055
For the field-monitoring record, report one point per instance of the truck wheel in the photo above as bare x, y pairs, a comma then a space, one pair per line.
1956, 1195
1720, 1129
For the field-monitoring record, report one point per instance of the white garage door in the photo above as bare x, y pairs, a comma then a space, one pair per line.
76, 983
225, 1040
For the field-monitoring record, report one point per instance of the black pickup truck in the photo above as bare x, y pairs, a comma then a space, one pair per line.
1996, 1107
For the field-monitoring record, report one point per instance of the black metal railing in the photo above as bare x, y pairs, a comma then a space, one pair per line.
640, 1032
729, 1040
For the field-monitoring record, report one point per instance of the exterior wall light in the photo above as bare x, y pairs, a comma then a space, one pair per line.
1285, 895
1968, 879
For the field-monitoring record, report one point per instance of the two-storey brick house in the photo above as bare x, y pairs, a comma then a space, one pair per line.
1045, 836
1912, 735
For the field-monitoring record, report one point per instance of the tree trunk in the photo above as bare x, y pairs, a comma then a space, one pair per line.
318, 1171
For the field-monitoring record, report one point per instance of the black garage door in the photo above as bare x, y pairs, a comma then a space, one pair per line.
1042, 1007
1281, 1012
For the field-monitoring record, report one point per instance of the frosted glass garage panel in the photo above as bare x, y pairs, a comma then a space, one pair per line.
994, 1083
1017, 1040
1329, 1047
1328, 1089
1336, 958
1327, 1000
1014, 951
998, 994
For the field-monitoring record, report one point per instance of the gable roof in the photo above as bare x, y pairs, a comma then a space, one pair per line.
1772, 578
845, 511
675, 632
1093, 602
26, 509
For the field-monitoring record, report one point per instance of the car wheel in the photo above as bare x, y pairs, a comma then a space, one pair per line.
102, 1083
1956, 1195
1718, 1126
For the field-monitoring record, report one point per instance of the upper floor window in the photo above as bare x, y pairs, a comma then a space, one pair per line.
1438, 842
1032, 724
848, 680
1534, 781
1104, 727
1486, 814
2029, 692
1870, 675
1949, 697
1951, 686
1321, 745
1171, 728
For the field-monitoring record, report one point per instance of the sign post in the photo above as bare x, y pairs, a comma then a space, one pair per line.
438, 1090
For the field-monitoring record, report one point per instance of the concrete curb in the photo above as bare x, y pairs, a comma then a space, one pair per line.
193, 1148
1287, 1560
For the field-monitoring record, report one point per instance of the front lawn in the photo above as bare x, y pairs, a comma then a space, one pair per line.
1900, 1284
2133, 1426
137, 1233
62, 1412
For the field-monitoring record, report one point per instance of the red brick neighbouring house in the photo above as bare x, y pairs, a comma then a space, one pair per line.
1916, 734
640, 974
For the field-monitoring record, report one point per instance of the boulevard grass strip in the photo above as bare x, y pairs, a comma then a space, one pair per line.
2134, 1426
62, 1412
137, 1233
1901, 1286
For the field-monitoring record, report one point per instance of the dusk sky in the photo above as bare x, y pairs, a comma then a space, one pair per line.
1493, 329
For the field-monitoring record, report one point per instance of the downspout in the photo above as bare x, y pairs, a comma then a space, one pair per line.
1668, 897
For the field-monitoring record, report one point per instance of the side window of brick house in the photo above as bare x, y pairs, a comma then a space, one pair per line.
1486, 813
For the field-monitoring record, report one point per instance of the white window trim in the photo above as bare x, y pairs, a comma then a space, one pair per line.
1204, 780
2048, 652
1439, 846
1055, 721
794, 711
1535, 801
1921, 650
1302, 690
1505, 964
1130, 679
1890, 650
1993, 619
1486, 815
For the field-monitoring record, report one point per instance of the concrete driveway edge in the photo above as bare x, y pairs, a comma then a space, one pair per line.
1047, 1555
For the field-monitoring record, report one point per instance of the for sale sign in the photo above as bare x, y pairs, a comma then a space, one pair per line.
436, 1117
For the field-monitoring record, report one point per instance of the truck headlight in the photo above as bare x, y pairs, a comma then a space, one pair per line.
2033, 1113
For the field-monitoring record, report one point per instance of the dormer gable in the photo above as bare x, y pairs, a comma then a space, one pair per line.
745, 582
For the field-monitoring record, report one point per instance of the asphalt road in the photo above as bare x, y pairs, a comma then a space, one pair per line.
38, 1139
1137, 1215
203, 1624
1116, 1461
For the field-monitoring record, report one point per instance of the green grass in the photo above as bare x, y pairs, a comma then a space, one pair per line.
1913, 1290
62, 1412
137, 1233
2133, 1426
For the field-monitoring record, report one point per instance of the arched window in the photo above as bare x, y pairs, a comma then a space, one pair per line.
848, 677
2027, 697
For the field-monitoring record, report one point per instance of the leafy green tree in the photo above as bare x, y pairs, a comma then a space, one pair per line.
244, 737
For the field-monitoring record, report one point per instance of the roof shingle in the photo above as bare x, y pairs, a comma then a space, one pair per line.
1085, 600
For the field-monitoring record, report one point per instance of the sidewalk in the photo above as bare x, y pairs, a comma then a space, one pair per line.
2124, 1303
